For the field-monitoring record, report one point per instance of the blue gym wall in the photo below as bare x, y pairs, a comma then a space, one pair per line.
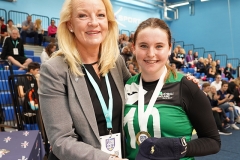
209, 27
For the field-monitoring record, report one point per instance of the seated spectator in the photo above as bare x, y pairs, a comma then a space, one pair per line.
131, 37
206, 65
47, 53
212, 70
133, 66
52, 29
181, 56
126, 54
217, 112
40, 31
209, 57
237, 92
13, 51
3, 31
10, 27
200, 66
173, 57
190, 59
218, 82
24, 86
29, 30
195, 56
229, 71
224, 102
219, 70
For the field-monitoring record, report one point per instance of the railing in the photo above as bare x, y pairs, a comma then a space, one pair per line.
188, 47
17, 17
44, 19
212, 53
123, 31
3, 13
223, 59
57, 20
200, 51
181, 43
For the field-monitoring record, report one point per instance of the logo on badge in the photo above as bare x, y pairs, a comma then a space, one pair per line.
110, 144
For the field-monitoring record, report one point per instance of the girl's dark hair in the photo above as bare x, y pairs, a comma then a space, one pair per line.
48, 49
153, 23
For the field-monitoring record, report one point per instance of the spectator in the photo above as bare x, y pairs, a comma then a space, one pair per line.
29, 30
212, 70
52, 29
39, 30
126, 54
229, 71
218, 114
133, 66
13, 51
218, 82
200, 65
219, 70
10, 27
3, 30
190, 59
24, 85
174, 59
195, 56
226, 105
131, 37
47, 53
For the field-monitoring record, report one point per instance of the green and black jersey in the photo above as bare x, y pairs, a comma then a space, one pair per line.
173, 115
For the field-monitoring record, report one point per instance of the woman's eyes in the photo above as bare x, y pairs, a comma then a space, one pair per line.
101, 15
82, 15
145, 46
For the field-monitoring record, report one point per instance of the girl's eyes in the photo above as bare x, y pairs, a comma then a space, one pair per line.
158, 46
143, 46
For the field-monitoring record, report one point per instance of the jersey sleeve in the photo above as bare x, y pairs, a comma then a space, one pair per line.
198, 110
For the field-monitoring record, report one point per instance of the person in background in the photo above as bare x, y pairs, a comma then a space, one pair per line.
212, 70
3, 31
52, 29
229, 71
218, 114
200, 65
133, 66
219, 70
13, 51
163, 104
40, 31
47, 53
10, 27
218, 82
190, 59
77, 83
29, 30
226, 104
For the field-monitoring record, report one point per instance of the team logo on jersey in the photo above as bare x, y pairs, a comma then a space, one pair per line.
166, 95
110, 144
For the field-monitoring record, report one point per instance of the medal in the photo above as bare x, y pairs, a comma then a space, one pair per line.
142, 136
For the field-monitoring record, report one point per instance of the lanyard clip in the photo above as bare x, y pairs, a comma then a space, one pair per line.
110, 131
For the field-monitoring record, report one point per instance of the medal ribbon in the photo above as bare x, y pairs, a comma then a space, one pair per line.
143, 116
106, 111
15, 43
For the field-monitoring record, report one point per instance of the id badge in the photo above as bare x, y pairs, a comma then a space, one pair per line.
15, 51
111, 144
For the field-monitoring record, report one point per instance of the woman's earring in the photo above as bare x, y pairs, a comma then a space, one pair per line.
71, 30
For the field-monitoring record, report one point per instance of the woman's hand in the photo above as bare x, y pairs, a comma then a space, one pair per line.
194, 79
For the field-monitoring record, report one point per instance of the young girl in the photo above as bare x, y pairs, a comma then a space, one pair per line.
161, 103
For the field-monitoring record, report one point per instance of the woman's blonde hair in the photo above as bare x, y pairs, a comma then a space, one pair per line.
38, 23
67, 47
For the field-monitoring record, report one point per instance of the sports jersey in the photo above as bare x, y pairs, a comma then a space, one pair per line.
168, 117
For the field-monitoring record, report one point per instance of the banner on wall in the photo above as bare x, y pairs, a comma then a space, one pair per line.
128, 18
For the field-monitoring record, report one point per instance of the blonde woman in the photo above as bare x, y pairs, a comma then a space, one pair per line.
212, 70
78, 82
39, 30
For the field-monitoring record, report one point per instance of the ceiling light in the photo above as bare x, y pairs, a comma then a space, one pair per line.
204, 0
178, 4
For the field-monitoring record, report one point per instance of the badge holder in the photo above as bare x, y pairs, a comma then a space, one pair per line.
111, 144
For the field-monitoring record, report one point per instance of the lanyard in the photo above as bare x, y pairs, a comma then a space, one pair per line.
143, 116
106, 111
15, 43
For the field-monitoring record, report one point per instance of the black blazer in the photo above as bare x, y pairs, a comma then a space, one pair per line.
8, 45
